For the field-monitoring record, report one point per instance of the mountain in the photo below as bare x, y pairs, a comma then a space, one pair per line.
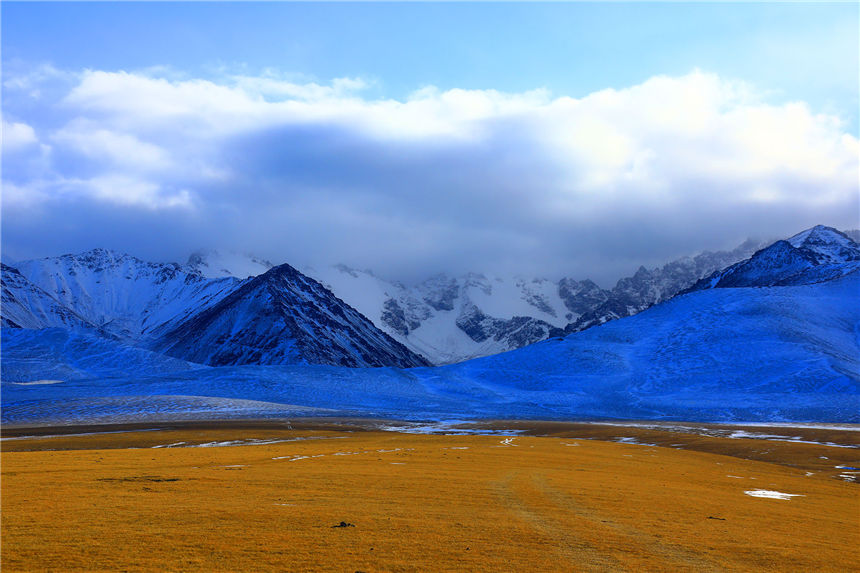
751, 354
60, 354
126, 297
772, 353
770, 339
815, 255
24, 305
158, 306
646, 288
283, 317
449, 319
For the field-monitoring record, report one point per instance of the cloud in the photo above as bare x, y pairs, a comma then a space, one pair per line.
17, 136
443, 180
110, 148
131, 191
34, 82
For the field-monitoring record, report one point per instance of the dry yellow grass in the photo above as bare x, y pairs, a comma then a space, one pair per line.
418, 503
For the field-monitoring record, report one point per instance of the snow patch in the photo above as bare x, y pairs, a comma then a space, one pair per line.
770, 494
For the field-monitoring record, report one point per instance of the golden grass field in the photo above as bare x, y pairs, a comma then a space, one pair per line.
567, 501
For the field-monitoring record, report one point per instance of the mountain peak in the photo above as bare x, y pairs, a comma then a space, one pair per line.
98, 255
287, 272
827, 244
818, 232
284, 317
817, 254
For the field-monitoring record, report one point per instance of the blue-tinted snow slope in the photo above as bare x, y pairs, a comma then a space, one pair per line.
59, 354
786, 353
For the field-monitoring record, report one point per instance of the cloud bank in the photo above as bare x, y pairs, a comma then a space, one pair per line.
158, 165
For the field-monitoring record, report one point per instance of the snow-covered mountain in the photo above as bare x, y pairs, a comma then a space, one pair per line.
24, 305
767, 344
646, 288
60, 354
449, 319
753, 354
283, 317
815, 255
771, 353
160, 306
126, 297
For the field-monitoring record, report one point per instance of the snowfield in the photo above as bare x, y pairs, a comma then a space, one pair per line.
772, 354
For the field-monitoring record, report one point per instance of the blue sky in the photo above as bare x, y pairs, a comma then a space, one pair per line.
797, 50
510, 124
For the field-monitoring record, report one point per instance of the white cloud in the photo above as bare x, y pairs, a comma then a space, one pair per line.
273, 87
114, 149
17, 136
129, 191
20, 197
117, 150
476, 176
716, 126
33, 82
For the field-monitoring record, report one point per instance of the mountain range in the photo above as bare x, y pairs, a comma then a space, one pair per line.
449, 319
287, 318
279, 317
101, 336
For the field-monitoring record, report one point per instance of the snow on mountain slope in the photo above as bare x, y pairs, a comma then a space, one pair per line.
646, 288
497, 314
449, 319
59, 354
755, 353
283, 317
772, 354
827, 244
140, 302
215, 264
131, 299
815, 255
24, 305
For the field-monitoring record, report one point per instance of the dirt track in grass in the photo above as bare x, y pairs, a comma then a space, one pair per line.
569, 501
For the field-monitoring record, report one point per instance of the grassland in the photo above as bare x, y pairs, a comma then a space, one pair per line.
565, 501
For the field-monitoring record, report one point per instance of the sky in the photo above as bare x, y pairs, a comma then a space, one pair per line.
558, 139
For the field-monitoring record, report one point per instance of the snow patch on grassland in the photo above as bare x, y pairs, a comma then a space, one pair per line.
770, 494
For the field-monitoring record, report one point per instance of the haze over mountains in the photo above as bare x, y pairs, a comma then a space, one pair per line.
772, 337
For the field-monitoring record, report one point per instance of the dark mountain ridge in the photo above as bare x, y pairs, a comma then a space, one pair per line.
284, 317
815, 255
